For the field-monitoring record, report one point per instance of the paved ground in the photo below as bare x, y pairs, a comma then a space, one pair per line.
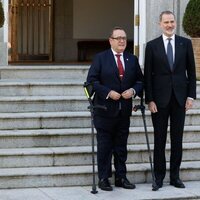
142, 192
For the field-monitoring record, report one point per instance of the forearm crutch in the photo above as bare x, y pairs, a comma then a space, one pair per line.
142, 108
89, 93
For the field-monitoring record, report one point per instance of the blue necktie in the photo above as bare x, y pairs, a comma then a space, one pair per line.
170, 54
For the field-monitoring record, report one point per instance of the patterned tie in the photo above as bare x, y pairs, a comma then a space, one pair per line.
170, 53
120, 66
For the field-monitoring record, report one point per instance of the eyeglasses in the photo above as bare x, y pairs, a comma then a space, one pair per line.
119, 38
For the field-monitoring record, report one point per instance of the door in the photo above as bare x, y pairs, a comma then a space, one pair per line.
31, 29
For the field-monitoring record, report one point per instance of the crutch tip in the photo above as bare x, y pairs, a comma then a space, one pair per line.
94, 191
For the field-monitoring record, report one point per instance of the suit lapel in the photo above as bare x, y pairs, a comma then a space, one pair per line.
161, 50
126, 63
178, 49
113, 64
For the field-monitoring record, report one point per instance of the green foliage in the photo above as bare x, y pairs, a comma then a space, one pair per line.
191, 18
2, 18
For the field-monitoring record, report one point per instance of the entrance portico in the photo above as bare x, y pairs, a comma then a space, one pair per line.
77, 20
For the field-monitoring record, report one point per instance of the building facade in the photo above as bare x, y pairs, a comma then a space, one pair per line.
69, 31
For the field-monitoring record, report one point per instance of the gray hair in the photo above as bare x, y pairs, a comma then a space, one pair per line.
166, 12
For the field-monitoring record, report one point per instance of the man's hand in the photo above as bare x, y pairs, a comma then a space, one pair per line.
127, 94
152, 107
188, 104
114, 95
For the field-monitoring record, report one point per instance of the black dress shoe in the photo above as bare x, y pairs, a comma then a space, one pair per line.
159, 183
177, 183
124, 183
156, 185
104, 184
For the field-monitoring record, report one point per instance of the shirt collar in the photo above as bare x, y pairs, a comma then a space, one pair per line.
114, 52
165, 37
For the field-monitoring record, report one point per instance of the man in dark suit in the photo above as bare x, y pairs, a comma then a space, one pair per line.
114, 89
170, 88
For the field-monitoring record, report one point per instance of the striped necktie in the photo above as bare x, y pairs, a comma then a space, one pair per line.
120, 66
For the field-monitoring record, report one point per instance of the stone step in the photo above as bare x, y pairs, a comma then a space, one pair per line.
77, 103
198, 86
76, 156
197, 102
53, 103
70, 72
78, 137
82, 175
44, 103
73, 72
45, 120
43, 87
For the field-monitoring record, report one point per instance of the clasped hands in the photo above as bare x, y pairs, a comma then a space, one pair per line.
127, 94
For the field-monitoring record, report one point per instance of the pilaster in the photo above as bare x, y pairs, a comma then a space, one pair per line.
3, 37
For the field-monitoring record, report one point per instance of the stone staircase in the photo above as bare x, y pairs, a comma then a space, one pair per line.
45, 131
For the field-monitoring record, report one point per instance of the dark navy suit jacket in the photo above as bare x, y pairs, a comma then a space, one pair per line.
160, 81
104, 76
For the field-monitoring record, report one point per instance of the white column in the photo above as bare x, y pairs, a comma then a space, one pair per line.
140, 29
5, 27
3, 37
136, 27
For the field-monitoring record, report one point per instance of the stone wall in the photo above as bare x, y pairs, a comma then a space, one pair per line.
153, 10
64, 44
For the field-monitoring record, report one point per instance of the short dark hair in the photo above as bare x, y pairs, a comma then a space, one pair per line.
166, 12
114, 29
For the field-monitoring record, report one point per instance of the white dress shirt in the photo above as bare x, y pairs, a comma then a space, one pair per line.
121, 58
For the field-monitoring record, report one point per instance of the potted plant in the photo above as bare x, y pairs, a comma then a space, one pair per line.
2, 18
191, 26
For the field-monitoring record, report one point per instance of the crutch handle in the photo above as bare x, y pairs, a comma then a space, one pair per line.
138, 107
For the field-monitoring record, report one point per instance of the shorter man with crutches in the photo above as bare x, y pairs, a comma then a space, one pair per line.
116, 78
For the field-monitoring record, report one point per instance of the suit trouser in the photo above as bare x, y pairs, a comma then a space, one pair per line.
112, 135
176, 113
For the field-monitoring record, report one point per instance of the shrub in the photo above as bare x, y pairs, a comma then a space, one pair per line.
191, 18
1, 15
